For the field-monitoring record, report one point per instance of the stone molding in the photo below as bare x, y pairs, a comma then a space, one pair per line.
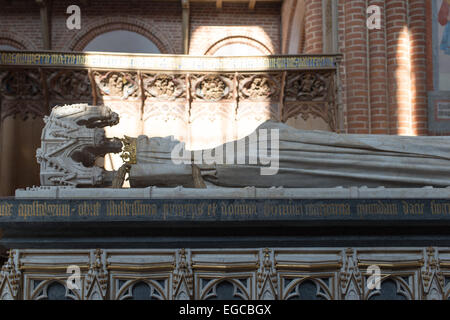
61, 192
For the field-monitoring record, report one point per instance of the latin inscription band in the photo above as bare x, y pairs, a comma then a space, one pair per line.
169, 63
220, 210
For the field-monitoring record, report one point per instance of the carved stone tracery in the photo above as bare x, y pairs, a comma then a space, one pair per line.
433, 280
351, 281
69, 85
267, 276
269, 273
10, 277
183, 279
311, 94
22, 94
97, 277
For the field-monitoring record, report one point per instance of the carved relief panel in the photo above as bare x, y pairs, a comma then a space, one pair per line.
68, 86
212, 87
22, 94
117, 84
212, 111
165, 106
310, 97
259, 101
121, 91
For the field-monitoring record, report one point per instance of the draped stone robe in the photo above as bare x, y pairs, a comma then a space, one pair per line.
307, 159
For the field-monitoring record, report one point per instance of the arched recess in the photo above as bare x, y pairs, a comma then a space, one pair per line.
79, 42
122, 41
14, 40
256, 37
241, 45
8, 44
293, 26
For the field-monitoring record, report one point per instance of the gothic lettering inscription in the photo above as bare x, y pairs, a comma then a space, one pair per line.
130, 209
5, 209
82, 60
220, 210
440, 208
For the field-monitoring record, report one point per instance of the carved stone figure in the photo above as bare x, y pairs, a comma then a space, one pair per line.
73, 138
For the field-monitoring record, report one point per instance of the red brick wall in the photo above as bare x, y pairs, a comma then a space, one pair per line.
383, 75
384, 72
356, 64
398, 67
209, 25
313, 26
19, 22
343, 125
159, 21
418, 29
379, 112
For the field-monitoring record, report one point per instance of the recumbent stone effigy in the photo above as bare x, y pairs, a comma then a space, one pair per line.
74, 137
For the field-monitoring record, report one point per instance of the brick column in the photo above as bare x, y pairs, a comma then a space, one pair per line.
378, 75
356, 66
399, 67
342, 83
418, 30
313, 27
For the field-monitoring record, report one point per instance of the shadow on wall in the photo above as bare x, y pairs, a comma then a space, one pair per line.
20, 128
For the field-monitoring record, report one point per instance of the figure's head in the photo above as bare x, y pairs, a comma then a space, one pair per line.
72, 140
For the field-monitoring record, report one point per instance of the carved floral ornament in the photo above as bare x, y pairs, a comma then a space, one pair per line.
117, 84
